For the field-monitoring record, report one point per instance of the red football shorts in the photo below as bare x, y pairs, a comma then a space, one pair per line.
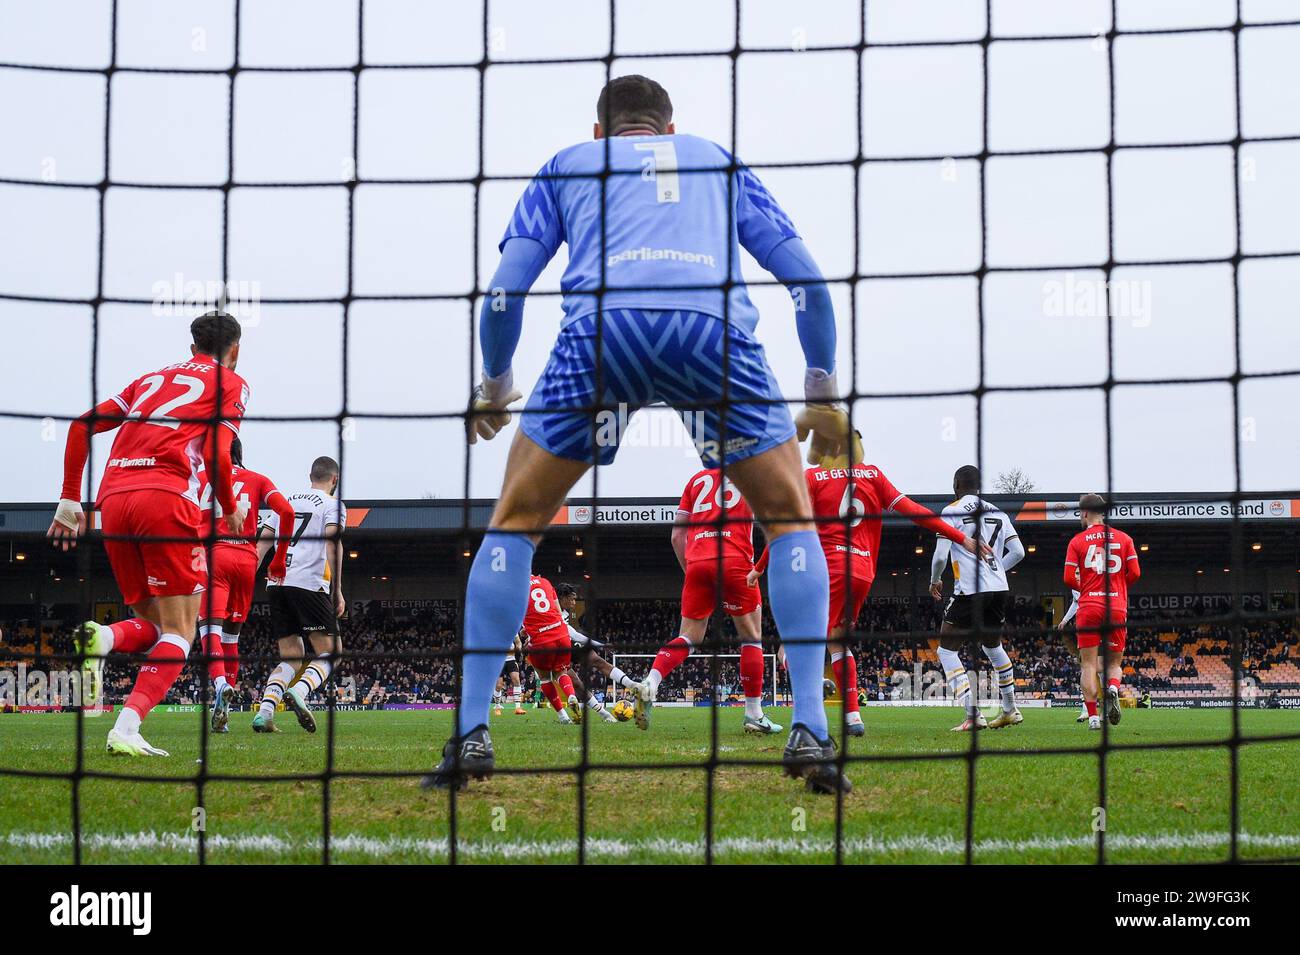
234, 572
1088, 622
847, 595
154, 568
550, 657
700, 591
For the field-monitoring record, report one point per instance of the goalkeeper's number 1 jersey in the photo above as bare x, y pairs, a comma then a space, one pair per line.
652, 222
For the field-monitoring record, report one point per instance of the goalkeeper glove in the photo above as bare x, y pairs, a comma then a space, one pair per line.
825, 418
850, 455
488, 406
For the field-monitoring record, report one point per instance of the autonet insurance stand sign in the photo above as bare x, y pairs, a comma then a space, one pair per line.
630, 513
1263, 509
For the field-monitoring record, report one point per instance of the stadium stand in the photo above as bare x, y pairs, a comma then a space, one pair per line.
405, 602
1189, 661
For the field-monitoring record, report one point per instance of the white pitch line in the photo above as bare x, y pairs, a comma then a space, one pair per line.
686, 849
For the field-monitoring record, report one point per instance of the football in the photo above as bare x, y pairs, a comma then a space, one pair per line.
622, 710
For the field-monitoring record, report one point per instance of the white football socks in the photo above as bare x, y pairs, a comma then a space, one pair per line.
313, 677
1006, 675
274, 692
958, 680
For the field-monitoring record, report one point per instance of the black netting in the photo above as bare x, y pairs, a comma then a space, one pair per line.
465, 536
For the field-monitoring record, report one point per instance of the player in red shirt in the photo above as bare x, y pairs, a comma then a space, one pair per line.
849, 505
713, 538
586, 651
1100, 563
234, 561
171, 425
548, 648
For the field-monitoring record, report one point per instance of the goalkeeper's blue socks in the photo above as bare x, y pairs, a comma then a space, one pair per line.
495, 602
799, 590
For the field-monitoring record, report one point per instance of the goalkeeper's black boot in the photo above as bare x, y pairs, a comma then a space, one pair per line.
462, 758
814, 762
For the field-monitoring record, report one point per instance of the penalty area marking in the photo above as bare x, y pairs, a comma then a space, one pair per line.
387, 847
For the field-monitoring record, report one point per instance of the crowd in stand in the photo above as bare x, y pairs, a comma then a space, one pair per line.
409, 656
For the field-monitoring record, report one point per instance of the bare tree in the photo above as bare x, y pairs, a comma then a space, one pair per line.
1014, 481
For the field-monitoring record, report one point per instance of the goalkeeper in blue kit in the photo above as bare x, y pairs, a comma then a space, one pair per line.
655, 310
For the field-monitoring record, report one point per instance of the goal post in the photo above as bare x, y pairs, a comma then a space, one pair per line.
775, 693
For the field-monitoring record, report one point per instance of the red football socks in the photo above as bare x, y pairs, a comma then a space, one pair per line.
566, 686
133, 636
552, 695
751, 670
846, 678
158, 673
230, 654
214, 651
671, 656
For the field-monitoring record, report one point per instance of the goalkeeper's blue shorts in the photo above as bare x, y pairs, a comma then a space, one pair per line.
647, 357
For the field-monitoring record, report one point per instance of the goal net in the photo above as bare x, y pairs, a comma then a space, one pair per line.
1013, 174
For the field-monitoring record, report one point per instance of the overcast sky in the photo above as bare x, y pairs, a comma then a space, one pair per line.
906, 334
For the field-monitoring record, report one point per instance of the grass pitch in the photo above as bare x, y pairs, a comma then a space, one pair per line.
1162, 805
